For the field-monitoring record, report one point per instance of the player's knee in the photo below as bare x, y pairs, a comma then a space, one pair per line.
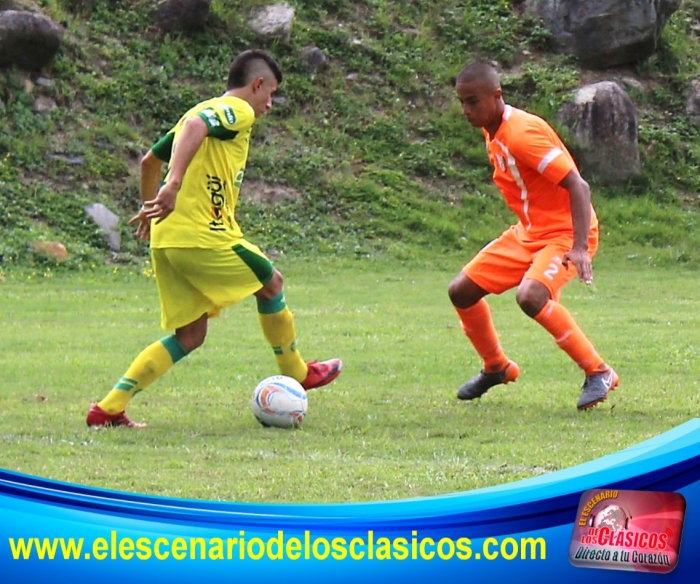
192, 341
532, 298
192, 337
459, 293
453, 291
277, 281
464, 292
274, 286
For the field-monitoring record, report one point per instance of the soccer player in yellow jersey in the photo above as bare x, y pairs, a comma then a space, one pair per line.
201, 261
555, 238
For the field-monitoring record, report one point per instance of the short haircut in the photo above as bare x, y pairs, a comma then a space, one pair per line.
479, 72
250, 65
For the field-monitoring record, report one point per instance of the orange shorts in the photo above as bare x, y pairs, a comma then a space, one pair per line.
508, 260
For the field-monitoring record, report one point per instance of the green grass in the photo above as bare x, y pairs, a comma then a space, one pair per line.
388, 428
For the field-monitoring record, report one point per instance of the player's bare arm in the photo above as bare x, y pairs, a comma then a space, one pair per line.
580, 195
151, 173
193, 134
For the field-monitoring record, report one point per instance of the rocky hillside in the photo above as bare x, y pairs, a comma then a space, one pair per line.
365, 152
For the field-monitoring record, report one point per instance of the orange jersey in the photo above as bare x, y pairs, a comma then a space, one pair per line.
529, 161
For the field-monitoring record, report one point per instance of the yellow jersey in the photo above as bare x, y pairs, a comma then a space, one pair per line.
204, 209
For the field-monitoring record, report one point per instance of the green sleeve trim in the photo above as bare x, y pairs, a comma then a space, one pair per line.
222, 133
216, 127
173, 346
272, 306
163, 148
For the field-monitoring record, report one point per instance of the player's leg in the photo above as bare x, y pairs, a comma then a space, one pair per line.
495, 269
156, 359
277, 323
538, 297
475, 318
151, 364
244, 270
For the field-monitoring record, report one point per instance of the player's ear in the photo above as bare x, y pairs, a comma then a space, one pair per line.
498, 94
257, 83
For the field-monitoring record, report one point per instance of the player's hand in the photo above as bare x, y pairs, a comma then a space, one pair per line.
582, 262
164, 203
143, 229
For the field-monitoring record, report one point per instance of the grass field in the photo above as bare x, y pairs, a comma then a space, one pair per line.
389, 428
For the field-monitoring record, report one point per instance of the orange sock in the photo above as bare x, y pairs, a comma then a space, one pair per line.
478, 326
558, 321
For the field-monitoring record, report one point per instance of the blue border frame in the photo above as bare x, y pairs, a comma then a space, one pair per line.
541, 507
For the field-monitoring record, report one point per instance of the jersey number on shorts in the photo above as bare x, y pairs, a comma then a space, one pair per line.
551, 271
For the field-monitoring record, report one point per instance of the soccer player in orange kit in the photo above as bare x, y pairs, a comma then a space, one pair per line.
554, 240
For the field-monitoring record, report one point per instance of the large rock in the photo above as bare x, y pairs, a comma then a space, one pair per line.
28, 40
602, 121
49, 249
272, 21
181, 15
28, 5
108, 223
605, 33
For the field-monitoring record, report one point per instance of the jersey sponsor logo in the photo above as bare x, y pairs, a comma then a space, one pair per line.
229, 113
216, 188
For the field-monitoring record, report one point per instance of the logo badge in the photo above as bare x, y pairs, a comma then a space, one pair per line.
638, 531
230, 115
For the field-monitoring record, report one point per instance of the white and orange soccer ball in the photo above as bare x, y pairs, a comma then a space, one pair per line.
279, 401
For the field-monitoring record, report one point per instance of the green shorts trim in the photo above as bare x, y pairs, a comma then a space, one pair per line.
259, 265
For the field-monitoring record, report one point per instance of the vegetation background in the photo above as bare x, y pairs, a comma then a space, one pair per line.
372, 149
390, 191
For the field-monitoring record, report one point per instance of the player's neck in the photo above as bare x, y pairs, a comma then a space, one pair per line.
498, 120
240, 92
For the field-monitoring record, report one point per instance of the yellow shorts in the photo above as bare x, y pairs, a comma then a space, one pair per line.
194, 281
508, 260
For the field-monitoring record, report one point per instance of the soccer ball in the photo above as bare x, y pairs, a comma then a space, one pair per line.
279, 401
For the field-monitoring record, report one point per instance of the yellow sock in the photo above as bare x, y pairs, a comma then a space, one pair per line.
277, 324
151, 364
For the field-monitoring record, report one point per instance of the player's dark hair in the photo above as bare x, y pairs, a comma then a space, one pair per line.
479, 72
248, 65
